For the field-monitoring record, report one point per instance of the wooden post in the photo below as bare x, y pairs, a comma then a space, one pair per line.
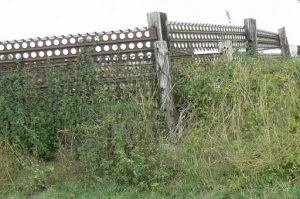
159, 21
298, 51
225, 48
251, 35
164, 82
285, 48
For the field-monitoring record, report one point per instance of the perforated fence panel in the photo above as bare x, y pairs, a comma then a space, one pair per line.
203, 37
117, 54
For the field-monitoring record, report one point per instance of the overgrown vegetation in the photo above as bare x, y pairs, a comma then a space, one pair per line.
79, 138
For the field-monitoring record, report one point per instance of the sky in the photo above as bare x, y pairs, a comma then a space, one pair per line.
22, 19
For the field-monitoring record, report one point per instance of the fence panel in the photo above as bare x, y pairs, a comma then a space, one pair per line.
267, 40
190, 37
117, 54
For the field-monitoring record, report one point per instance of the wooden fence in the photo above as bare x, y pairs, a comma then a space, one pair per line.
144, 52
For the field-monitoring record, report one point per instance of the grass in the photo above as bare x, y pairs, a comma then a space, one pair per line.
240, 140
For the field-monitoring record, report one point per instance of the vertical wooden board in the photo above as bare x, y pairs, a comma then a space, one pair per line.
225, 48
285, 48
298, 51
159, 20
251, 34
164, 83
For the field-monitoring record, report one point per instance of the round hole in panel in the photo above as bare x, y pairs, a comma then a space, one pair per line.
73, 51
2, 57
115, 47
10, 57
40, 44
33, 54
147, 34
18, 56
115, 57
72, 40
1, 47
131, 46
148, 44
64, 41
89, 39
113, 36
141, 55
105, 37
8, 46
98, 48
41, 54
24, 45
49, 53
124, 57
139, 34
56, 52
65, 51
140, 45
25, 55
97, 38
17, 46
32, 44
80, 39
56, 42
149, 55
130, 35
48, 43
106, 48
123, 46
122, 36
107, 58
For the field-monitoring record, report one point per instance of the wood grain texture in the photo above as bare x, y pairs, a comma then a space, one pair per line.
225, 48
159, 20
164, 83
285, 48
251, 35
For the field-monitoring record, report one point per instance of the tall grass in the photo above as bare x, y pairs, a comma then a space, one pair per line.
246, 123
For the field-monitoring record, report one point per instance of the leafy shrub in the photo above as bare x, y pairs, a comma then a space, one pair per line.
111, 131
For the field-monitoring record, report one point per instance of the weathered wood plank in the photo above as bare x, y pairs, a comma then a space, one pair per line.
251, 35
164, 83
285, 48
225, 48
159, 20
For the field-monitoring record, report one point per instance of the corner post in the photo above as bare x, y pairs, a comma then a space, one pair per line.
251, 35
225, 48
163, 68
285, 48
298, 51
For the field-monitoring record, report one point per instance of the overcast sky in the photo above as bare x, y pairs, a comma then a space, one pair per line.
21, 19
